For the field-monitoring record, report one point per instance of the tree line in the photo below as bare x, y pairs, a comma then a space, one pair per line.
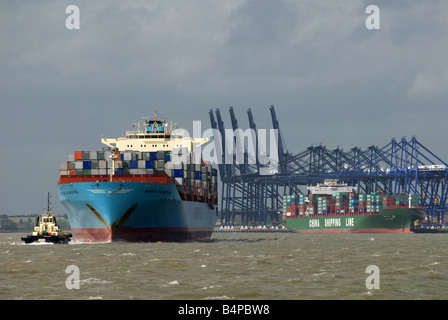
27, 223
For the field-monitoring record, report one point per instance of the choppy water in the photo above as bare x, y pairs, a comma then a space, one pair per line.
242, 266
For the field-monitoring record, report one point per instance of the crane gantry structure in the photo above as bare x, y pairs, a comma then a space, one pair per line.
253, 188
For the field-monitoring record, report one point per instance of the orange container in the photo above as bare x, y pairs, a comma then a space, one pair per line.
78, 155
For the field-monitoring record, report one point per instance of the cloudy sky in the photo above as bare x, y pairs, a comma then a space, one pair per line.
332, 80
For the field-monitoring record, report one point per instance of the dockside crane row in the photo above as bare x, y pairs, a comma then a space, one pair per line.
401, 166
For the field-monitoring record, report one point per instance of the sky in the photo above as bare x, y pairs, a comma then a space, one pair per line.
331, 79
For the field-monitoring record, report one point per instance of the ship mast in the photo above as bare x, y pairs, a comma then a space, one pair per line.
48, 201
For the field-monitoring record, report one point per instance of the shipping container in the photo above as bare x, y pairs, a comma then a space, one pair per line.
141, 164
86, 164
78, 164
160, 164
160, 155
102, 164
63, 166
178, 173
149, 164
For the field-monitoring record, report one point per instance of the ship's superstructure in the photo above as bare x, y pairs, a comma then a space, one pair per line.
154, 135
146, 186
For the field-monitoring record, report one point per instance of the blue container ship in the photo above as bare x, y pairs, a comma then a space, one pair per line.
144, 187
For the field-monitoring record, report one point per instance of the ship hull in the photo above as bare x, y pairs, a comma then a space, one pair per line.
389, 220
134, 211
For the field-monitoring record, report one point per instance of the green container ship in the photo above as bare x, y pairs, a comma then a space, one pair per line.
336, 208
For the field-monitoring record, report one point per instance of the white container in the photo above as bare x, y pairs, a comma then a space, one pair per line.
70, 157
62, 166
178, 166
169, 165
78, 164
141, 164
102, 171
93, 155
127, 156
102, 164
95, 171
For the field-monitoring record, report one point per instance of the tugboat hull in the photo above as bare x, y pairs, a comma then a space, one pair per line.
49, 239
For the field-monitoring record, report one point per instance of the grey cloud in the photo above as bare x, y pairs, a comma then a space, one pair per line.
331, 80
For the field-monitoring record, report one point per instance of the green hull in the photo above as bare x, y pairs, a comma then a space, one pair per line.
389, 220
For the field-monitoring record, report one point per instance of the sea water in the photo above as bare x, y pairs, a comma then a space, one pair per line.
229, 266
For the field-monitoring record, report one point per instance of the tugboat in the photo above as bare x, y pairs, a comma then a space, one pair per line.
46, 230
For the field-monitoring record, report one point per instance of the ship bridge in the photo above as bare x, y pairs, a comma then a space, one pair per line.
154, 135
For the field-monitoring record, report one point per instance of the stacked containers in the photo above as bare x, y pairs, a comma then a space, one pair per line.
284, 205
388, 201
290, 206
323, 205
415, 200
353, 203
374, 202
214, 182
341, 202
86, 163
312, 206
302, 205
294, 207
362, 203
198, 179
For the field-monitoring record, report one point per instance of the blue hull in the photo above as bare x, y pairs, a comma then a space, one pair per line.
134, 211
